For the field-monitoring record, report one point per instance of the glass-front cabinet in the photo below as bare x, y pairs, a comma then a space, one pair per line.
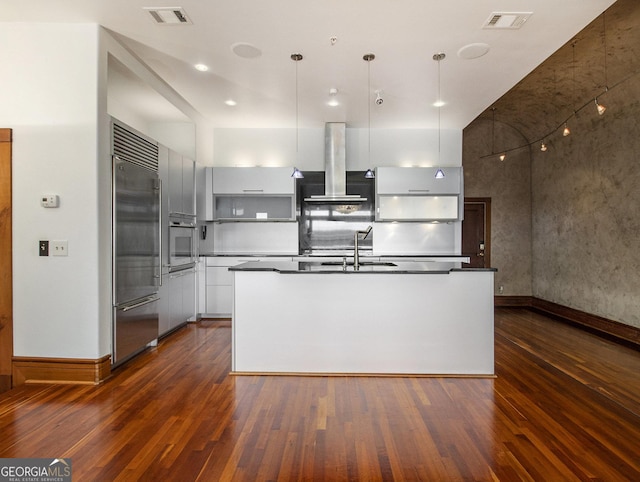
252, 194
417, 208
422, 194
253, 208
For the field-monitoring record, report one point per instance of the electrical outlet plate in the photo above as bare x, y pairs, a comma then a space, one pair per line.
59, 248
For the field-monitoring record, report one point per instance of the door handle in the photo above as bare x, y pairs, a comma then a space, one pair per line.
480, 254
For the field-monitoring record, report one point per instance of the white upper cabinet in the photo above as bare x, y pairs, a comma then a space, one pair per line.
253, 180
252, 194
181, 185
418, 180
420, 194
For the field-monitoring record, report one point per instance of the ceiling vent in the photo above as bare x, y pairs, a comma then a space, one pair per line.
169, 15
507, 20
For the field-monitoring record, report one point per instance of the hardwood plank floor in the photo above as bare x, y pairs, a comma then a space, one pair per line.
565, 406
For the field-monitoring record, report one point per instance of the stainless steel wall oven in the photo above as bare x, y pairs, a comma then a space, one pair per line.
182, 243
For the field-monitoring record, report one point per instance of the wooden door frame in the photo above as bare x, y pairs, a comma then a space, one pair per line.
487, 225
6, 270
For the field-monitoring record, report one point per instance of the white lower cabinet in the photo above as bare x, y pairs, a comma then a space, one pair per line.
219, 284
177, 300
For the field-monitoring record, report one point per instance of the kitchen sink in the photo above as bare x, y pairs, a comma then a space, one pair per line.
362, 263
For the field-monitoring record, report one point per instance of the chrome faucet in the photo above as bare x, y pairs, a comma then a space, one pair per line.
356, 255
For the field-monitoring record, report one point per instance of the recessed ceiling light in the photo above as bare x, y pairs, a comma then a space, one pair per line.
439, 103
201, 67
333, 103
230, 102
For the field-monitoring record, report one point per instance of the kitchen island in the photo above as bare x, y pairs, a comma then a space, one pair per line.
400, 318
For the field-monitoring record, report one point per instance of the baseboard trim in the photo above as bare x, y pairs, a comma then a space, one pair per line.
513, 301
27, 370
611, 328
597, 324
5, 383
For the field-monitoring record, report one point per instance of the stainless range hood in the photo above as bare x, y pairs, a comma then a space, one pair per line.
335, 170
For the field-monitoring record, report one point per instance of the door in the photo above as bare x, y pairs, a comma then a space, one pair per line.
476, 232
6, 276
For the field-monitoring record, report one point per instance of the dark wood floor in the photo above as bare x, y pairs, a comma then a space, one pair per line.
565, 406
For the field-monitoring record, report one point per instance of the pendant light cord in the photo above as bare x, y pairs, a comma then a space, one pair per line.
368, 58
439, 109
369, 109
438, 57
297, 107
296, 57
604, 38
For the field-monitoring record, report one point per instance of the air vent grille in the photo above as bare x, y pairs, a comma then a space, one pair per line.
507, 20
169, 15
133, 148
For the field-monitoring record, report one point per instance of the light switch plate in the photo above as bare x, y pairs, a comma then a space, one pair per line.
59, 248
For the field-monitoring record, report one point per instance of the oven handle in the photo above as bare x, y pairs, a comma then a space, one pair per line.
179, 224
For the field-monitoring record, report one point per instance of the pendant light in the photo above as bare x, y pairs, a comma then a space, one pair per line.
438, 57
599, 107
502, 156
368, 58
296, 172
566, 131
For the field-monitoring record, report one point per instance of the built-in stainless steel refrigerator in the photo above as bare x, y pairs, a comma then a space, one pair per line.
136, 257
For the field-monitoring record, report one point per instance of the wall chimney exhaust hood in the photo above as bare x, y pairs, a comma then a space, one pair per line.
335, 171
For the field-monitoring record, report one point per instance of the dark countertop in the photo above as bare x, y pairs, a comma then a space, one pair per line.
330, 267
329, 255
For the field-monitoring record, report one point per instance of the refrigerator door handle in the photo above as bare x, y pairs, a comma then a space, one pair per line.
146, 301
159, 231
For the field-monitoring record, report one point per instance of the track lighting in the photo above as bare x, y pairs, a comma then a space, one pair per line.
543, 147
566, 131
601, 108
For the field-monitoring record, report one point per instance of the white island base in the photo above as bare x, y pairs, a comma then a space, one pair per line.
363, 323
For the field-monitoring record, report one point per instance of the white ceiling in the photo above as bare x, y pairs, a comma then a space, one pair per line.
403, 34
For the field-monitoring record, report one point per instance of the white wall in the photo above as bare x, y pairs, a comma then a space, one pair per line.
48, 97
388, 147
54, 97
